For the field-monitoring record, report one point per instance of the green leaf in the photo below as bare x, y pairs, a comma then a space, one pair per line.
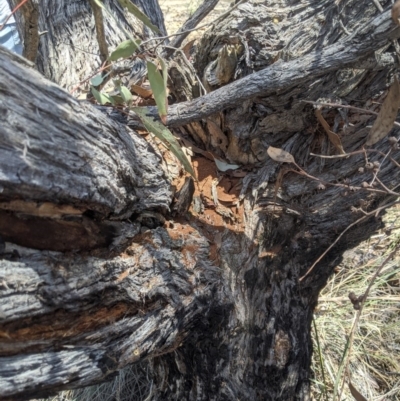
97, 80
159, 88
165, 135
164, 70
123, 50
117, 99
101, 98
138, 14
125, 94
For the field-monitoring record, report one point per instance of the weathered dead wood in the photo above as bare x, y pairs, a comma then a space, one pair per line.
78, 158
302, 50
70, 320
253, 341
282, 76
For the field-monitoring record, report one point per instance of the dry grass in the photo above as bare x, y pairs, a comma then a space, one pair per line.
131, 384
374, 363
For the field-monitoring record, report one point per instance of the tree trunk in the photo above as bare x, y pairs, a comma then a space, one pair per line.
96, 274
60, 36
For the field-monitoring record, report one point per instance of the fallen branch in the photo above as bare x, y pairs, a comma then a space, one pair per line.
283, 75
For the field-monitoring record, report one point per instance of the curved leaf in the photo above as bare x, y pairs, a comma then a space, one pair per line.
159, 88
97, 80
279, 155
387, 116
125, 94
123, 50
165, 135
101, 98
138, 14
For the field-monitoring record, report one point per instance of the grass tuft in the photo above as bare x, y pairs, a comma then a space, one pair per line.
374, 360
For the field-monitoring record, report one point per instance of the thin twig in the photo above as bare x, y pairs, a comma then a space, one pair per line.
12, 13
345, 186
345, 361
190, 65
379, 168
102, 68
202, 11
361, 219
356, 152
345, 106
196, 28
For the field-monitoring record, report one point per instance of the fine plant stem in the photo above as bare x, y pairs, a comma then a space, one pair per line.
361, 219
324, 391
345, 361
12, 13
197, 27
345, 106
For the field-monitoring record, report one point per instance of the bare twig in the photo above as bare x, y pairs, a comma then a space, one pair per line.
102, 68
205, 8
379, 169
12, 13
196, 28
100, 32
356, 152
190, 66
361, 219
386, 191
345, 106
345, 361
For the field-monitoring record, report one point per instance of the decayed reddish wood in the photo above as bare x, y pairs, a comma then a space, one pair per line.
77, 318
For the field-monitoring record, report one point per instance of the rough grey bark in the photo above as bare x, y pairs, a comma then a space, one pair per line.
68, 51
241, 329
258, 344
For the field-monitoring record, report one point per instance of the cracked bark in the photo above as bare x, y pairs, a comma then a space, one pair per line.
80, 305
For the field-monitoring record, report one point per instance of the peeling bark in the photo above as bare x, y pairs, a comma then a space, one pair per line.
239, 325
80, 158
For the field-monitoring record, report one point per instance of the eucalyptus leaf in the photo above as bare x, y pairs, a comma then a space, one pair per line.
123, 50
164, 70
158, 86
387, 116
125, 94
117, 99
97, 80
101, 98
165, 135
138, 14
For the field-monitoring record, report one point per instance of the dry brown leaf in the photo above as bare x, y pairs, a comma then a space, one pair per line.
387, 116
334, 138
356, 394
280, 155
143, 92
187, 48
396, 12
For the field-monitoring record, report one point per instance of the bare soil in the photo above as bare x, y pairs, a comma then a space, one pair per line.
176, 12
